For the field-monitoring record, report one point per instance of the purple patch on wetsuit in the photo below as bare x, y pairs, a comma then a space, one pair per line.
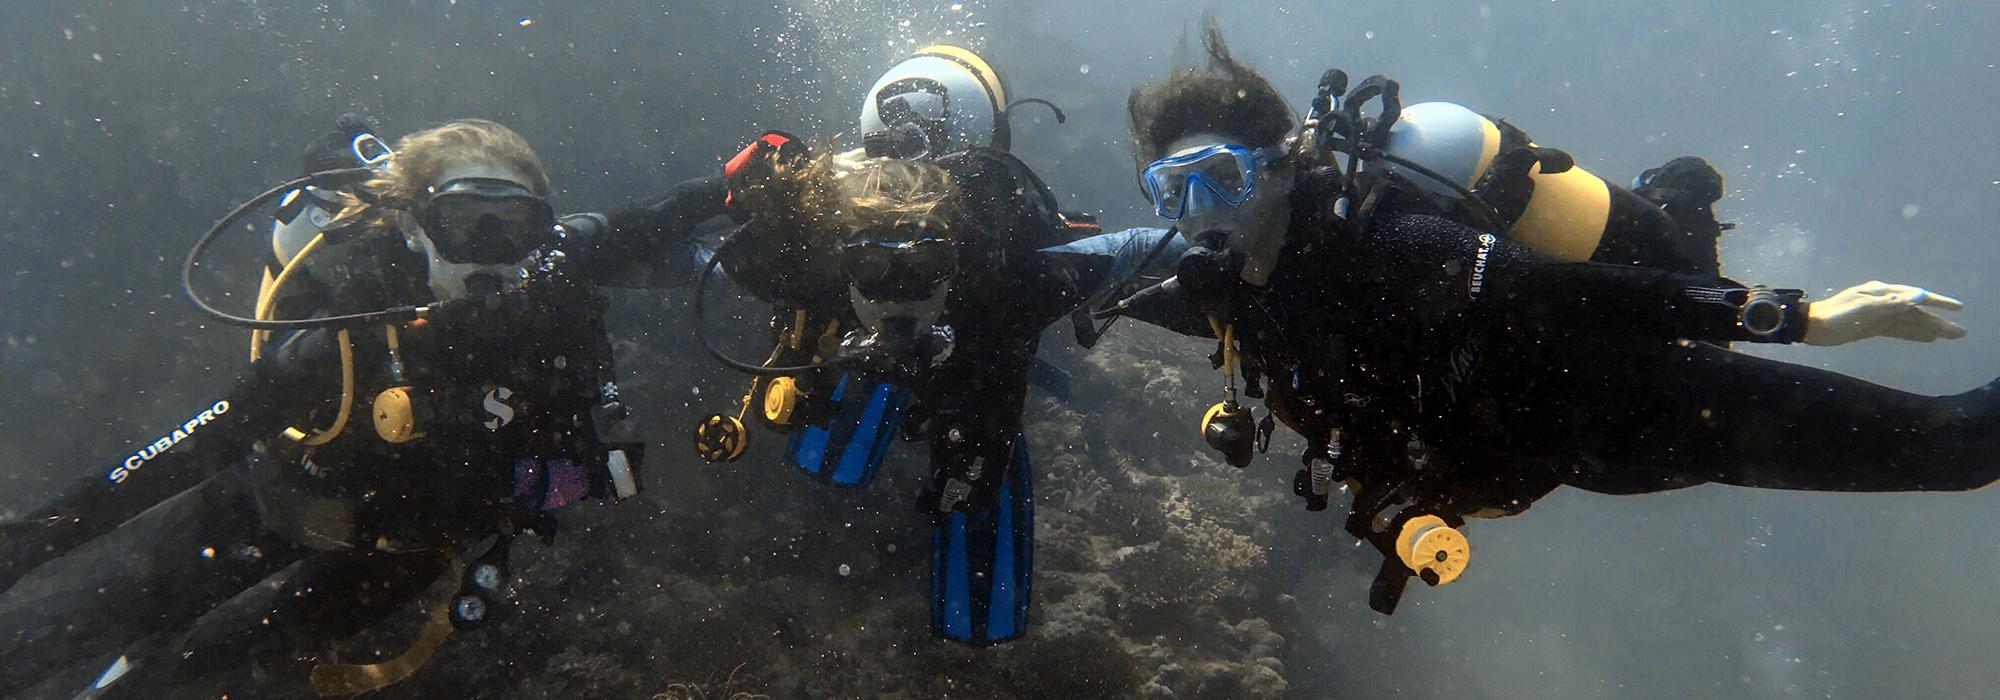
566, 482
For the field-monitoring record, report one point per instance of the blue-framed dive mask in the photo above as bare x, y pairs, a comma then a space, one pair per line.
1221, 176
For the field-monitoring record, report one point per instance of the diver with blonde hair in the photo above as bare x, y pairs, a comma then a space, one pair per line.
908, 298
445, 390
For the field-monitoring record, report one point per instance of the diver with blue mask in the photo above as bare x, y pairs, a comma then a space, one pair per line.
448, 395
1448, 359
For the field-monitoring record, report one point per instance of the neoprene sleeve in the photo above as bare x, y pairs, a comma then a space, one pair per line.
1444, 263
646, 245
273, 394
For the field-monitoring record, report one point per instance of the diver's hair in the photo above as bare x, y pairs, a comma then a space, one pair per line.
1218, 94
424, 156
895, 192
822, 201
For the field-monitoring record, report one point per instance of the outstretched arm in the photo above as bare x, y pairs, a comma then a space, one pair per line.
646, 244
1432, 263
1444, 262
264, 402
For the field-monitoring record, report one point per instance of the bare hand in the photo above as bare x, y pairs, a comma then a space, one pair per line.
1879, 309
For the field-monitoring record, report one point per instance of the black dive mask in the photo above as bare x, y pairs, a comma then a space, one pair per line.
486, 221
898, 271
1209, 271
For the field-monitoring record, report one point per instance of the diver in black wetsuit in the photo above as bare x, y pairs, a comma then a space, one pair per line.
925, 293
1445, 372
382, 454
909, 297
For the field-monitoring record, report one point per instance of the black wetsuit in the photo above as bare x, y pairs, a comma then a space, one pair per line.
1520, 373
1004, 294
507, 387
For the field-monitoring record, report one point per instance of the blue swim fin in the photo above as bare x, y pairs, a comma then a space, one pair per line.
849, 447
983, 563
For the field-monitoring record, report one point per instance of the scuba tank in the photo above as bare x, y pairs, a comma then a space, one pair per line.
1561, 211
306, 212
1446, 159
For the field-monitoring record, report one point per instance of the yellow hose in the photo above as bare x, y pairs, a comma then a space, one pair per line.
339, 680
1227, 334
270, 297
346, 399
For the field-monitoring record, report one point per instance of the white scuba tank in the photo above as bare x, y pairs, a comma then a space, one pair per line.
1566, 213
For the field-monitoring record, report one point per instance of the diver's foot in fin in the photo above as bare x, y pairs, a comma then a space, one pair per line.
983, 562
848, 448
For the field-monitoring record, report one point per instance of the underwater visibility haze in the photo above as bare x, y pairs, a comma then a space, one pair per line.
1856, 139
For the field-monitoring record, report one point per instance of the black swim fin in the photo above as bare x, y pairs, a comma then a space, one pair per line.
983, 562
848, 448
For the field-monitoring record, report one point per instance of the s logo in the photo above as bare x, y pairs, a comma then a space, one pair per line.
496, 406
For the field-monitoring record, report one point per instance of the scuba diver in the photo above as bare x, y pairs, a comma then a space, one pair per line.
904, 313
1442, 370
464, 320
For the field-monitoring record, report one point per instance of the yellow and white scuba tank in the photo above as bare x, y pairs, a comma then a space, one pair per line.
955, 95
1565, 214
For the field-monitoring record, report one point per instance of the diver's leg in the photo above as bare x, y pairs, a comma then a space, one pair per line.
158, 573
333, 596
983, 560
1695, 411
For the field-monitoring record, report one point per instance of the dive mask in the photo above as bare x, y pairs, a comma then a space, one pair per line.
486, 221
1221, 176
898, 271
